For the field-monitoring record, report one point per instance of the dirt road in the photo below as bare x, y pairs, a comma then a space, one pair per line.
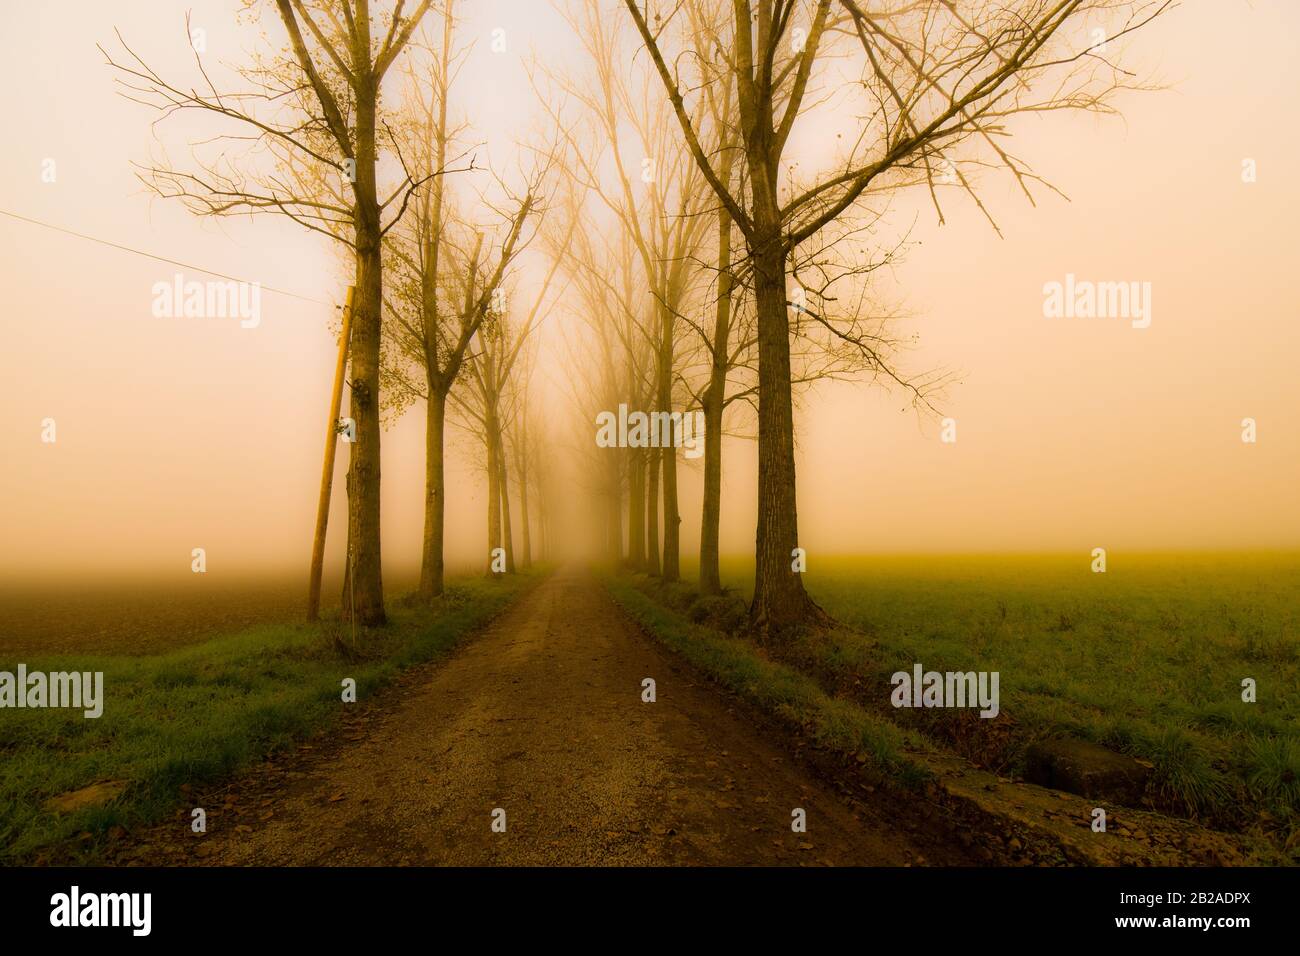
540, 716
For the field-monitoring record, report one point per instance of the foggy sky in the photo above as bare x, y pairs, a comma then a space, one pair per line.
1072, 434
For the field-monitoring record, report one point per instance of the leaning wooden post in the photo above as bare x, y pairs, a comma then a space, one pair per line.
327, 474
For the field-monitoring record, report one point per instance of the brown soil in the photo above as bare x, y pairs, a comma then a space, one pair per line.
144, 615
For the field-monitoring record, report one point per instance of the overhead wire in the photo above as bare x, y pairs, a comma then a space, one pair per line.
150, 255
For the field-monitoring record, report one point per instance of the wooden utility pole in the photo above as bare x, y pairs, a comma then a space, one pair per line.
327, 474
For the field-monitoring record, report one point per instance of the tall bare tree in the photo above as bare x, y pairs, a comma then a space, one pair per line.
448, 276
315, 109
935, 74
486, 406
661, 205
618, 355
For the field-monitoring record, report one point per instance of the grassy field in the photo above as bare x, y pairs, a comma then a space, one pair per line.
1147, 659
200, 711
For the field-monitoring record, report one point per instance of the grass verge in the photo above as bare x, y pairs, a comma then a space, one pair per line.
201, 712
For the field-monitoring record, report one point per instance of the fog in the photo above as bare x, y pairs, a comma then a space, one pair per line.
174, 434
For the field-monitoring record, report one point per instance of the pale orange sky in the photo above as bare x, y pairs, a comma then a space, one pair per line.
1073, 434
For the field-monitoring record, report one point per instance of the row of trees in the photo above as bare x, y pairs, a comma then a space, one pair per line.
310, 135
716, 261
758, 267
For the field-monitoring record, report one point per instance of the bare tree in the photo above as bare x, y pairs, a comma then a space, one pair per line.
448, 277
619, 358
662, 208
523, 453
486, 408
935, 74
315, 110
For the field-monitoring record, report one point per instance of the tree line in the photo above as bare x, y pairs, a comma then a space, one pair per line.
709, 265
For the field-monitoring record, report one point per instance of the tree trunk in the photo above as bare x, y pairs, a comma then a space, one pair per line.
714, 398
614, 510
494, 492
507, 536
636, 509
652, 513
780, 600
543, 510
668, 455
435, 492
711, 512
367, 584
523, 500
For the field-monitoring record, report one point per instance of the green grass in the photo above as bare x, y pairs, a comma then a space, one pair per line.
201, 712
1147, 659
879, 746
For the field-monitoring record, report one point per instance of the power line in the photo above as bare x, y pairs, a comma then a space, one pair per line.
150, 255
